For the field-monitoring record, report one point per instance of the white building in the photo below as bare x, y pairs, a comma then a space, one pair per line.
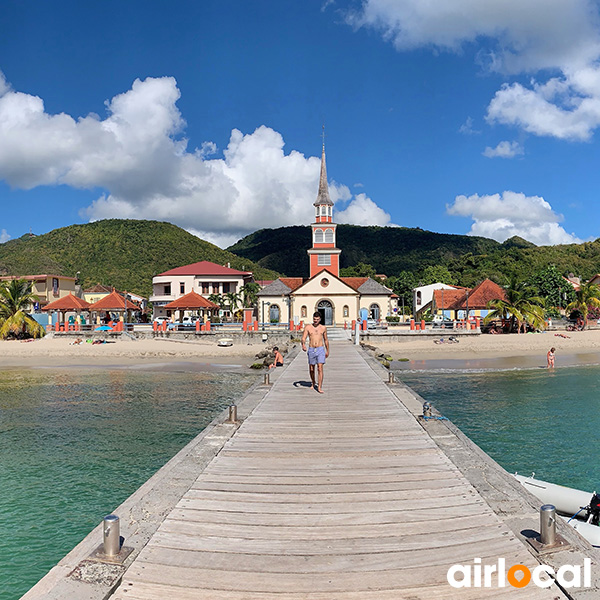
423, 295
204, 278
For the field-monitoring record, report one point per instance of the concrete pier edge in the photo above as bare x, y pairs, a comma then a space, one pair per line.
512, 503
79, 577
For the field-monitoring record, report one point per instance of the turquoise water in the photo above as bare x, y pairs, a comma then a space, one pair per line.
527, 420
75, 443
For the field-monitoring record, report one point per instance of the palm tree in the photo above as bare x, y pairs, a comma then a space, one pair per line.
249, 293
233, 300
521, 306
587, 295
15, 298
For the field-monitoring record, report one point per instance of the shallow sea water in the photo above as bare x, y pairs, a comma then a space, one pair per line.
75, 443
529, 420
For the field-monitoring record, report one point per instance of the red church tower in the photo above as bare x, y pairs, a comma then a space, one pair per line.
324, 254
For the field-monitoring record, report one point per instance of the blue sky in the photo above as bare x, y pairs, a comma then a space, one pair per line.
457, 117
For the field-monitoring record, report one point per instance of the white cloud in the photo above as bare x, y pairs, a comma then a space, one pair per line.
467, 127
4, 236
504, 150
556, 36
363, 211
138, 155
501, 216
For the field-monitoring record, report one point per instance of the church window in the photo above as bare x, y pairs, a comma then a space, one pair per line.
346, 311
318, 236
324, 260
324, 282
303, 312
329, 236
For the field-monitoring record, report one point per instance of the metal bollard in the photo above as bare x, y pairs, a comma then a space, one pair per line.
426, 409
548, 524
232, 414
391, 378
267, 379
112, 535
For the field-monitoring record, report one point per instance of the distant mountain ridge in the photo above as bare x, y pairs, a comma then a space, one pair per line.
120, 252
391, 250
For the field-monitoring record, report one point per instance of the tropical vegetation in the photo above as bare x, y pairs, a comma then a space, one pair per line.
520, 307
117, 252
16, 299
586, 297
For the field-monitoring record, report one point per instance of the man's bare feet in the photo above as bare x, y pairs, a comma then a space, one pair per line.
320, 391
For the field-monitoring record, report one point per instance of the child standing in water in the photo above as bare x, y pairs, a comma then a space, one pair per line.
550, 358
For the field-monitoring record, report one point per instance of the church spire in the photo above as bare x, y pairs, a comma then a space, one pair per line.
323, 198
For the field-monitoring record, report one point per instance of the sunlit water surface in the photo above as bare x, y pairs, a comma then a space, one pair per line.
74, 444
527, 420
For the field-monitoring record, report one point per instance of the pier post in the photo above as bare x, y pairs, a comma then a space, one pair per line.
232, 414
548, 524
112, 535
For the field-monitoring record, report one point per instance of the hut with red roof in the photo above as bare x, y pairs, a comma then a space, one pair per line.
195, 303
67, 304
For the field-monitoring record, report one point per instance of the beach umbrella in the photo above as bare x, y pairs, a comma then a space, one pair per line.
103, 328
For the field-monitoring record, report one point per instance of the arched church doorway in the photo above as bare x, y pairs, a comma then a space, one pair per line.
374, 312
325, 308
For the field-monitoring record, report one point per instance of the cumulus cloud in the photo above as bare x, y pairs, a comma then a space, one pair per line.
139, 156
502, 216
551, 36
4, 237
504, 150
363, 211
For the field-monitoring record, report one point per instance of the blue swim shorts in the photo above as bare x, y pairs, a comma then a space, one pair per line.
316, 355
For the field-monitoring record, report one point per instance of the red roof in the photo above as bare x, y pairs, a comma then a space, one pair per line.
204, 267
478, 297
69, 302
190, 301
292, 282
113, 301
354, 282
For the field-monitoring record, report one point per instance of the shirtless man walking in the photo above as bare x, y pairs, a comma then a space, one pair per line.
318, 349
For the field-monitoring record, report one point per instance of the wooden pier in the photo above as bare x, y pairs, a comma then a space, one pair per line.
341, 495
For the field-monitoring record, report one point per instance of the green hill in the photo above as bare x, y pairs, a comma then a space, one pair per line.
123, 253
392, 250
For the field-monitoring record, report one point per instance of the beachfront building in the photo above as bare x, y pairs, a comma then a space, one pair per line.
458, 303
204, 277
47, 287
423, 295
339, 299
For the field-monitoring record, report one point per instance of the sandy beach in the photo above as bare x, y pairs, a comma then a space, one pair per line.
494, 351
51, 351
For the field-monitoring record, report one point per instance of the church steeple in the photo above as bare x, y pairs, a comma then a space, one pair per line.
324, 255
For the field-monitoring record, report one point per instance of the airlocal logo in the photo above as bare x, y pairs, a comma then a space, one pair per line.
518, 576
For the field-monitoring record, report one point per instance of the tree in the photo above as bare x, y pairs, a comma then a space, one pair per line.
588, 295
403, 285
249, 292
436, 274
359, 270
553, 287
521, 306
15, 298
233, 300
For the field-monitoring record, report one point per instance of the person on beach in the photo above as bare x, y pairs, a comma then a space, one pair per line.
278, 358
550, 358
318, 350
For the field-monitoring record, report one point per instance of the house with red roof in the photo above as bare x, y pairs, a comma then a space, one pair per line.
338, 299
204, 278
460, 302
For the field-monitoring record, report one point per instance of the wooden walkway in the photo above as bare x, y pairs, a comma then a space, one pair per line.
326, 497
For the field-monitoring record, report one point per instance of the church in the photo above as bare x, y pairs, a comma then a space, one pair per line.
340, 300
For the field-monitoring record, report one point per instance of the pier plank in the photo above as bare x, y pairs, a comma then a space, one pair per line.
340, 496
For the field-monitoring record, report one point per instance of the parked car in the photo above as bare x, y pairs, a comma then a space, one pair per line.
160, 320
440, 322
371, 323
188, 323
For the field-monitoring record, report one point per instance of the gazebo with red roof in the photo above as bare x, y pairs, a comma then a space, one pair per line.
66, 304
114, 302
194, 302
